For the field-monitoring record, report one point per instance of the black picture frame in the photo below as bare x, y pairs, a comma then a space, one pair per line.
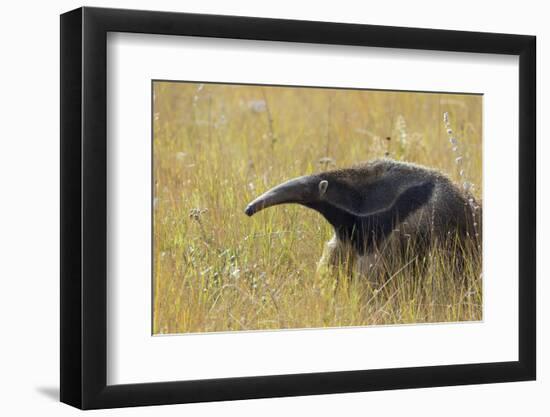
84, 207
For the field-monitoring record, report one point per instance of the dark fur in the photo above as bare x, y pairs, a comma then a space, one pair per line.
368, 202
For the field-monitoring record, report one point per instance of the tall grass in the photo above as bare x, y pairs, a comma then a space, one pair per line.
216, 147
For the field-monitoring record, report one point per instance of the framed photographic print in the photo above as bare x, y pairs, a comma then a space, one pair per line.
257, 207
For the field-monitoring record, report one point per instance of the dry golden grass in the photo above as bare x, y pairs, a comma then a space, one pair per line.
216, 147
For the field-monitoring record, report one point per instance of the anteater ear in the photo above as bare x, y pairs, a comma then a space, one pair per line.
323, 185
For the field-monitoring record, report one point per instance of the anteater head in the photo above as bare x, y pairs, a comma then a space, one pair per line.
305, 190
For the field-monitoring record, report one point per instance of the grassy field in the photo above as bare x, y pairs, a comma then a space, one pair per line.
216, 147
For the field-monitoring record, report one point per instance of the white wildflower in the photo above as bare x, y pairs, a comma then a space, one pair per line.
402, 128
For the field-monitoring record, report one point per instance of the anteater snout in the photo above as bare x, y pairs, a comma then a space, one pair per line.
250, 210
